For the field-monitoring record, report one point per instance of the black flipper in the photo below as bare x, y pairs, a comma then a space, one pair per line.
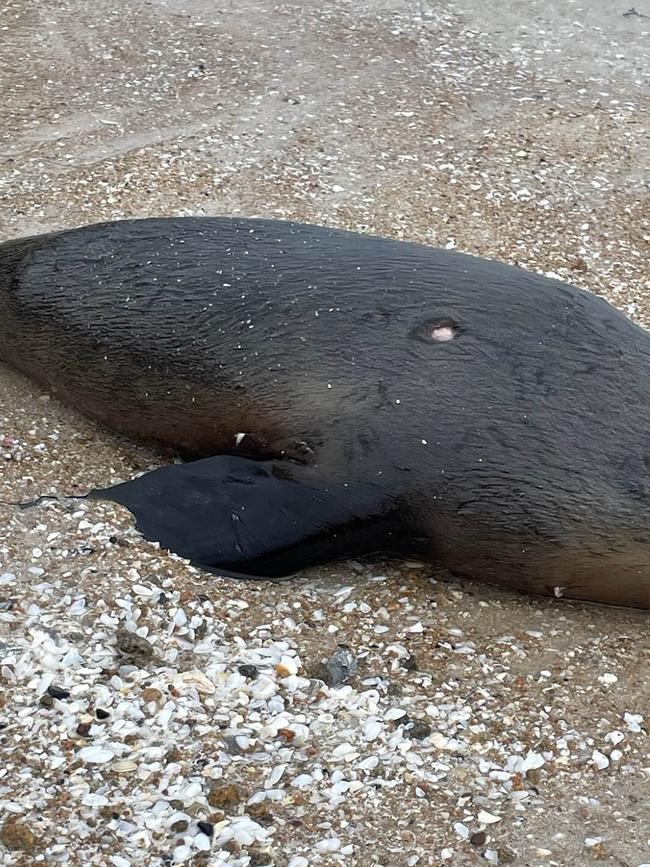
248, 518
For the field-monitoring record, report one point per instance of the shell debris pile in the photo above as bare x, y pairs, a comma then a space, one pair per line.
153, 714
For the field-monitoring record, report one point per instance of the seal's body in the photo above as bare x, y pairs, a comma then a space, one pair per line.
350, 394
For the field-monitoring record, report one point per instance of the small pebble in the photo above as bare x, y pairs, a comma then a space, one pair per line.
226, 797
131, 645
418, 729
58, 692
410, 663
16, 835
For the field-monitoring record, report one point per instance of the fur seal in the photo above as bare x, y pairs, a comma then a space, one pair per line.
343, 394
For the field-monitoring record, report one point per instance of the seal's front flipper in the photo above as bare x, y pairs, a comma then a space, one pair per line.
252, 518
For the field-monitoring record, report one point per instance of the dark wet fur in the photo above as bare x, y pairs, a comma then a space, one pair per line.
317, 344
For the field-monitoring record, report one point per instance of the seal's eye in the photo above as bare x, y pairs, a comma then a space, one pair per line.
443, 333
440, 330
